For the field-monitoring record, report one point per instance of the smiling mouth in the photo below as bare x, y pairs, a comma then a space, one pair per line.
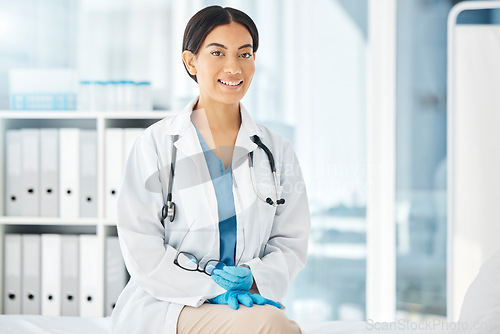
231, 83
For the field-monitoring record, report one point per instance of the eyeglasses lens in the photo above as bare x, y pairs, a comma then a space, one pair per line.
187, 261
213, 264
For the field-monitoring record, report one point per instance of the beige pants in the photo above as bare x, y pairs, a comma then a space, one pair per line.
220, 319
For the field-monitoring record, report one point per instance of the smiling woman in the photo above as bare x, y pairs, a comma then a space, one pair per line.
224, 66
238, 233
219, 54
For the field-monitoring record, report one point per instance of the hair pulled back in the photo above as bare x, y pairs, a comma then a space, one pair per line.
206, 20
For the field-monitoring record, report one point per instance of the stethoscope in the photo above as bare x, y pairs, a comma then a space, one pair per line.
168, 209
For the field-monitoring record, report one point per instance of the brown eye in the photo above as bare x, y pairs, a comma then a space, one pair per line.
246, 55
216, 53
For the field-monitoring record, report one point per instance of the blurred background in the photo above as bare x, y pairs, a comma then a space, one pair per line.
310, 85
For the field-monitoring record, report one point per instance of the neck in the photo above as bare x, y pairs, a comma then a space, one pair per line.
220, 116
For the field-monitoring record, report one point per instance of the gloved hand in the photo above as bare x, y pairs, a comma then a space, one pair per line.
235, 297
233, 278
259, 300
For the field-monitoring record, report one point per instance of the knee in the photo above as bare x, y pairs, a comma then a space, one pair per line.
274, 321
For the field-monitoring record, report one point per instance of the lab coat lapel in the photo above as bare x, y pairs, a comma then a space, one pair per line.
244, 144
191, 170
242, 147
188, 142
247, 210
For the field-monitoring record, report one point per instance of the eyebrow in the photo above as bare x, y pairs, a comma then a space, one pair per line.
224, 47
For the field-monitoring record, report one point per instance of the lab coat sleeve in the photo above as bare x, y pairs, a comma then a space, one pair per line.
285, 252
141, 234
480, 311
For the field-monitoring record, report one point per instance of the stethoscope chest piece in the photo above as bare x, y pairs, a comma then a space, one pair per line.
168, 210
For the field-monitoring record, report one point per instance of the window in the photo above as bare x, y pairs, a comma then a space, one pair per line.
35, 34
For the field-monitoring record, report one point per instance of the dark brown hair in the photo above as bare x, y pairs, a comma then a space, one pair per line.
204, 21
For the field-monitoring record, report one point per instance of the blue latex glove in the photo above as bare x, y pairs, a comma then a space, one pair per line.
235, 297
259, 300
233, 278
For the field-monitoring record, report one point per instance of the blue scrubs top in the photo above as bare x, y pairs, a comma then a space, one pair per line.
222, 180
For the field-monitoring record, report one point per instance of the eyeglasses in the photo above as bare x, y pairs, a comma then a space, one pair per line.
188, 261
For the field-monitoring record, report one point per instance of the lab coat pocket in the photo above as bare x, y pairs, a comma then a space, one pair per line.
200, 243
193, 230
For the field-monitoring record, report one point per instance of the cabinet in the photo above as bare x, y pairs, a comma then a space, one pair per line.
101, 226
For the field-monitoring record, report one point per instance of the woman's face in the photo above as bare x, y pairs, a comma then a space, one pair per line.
224, 65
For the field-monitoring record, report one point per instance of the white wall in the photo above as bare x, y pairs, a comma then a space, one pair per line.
475, 155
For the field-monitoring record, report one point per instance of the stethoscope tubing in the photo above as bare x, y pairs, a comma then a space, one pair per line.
168, 209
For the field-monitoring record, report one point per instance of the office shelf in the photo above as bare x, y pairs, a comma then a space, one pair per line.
101, 225
43, 114
48, 221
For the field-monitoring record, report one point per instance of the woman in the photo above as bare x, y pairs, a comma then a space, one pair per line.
226, 241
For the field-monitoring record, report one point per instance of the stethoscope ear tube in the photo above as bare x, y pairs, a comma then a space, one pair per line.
256, 140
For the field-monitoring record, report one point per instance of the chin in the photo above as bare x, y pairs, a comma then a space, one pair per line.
231, 99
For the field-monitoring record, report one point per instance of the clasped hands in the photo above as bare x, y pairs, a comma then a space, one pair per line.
237, 281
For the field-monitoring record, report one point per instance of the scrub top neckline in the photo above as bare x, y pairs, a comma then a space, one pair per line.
206, 148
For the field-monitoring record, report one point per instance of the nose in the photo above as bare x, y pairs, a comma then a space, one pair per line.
232, 66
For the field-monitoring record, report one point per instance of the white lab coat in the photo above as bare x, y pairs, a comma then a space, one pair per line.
480, 312
271, 241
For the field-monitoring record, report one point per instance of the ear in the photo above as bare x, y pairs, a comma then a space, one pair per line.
254, 55
189, 60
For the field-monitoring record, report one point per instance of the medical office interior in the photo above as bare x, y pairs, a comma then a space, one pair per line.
79, 79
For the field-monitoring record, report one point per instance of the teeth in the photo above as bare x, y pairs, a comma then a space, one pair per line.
229, 83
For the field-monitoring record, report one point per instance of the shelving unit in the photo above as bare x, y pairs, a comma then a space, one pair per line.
100, 225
